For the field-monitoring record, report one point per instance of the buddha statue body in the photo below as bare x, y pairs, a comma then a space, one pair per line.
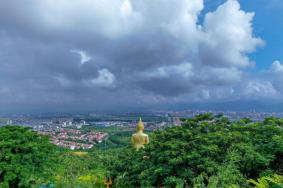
139, 139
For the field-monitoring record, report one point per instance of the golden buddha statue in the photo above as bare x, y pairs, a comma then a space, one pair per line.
139, 139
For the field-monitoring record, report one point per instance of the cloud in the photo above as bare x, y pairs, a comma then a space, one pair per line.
84, 56
119, 53
259, 89
184, 70
276, 67
219, 75
275, 75
104, 79
228, 36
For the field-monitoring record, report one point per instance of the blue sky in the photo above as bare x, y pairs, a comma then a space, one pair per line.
267, 24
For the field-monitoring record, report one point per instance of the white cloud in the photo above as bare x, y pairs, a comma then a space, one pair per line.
104, 79
228, 36
276, 67
126, 8
84, 18
84, 56
255, 89
219, 75
184, 70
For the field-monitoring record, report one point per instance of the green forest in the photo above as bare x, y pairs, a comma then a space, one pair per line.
206, 151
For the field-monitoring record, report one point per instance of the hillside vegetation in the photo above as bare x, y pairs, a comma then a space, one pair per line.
207, 151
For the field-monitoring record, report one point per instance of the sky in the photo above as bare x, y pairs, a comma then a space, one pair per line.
140, 55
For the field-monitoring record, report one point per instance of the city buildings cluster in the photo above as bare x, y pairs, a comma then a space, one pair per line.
75, 139
68, 131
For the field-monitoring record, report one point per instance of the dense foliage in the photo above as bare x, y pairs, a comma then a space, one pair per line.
26, 158
206, 152
84, 171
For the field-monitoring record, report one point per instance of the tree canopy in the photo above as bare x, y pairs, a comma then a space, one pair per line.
205, 152
26, 157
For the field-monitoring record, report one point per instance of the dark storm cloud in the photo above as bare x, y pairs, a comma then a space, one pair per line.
105, 54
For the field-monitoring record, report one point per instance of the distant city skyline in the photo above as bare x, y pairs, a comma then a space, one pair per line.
140, 55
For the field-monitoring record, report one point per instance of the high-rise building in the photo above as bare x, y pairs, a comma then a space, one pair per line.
9, 122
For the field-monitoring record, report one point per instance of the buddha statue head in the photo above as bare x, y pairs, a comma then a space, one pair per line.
139, 139
140, 126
